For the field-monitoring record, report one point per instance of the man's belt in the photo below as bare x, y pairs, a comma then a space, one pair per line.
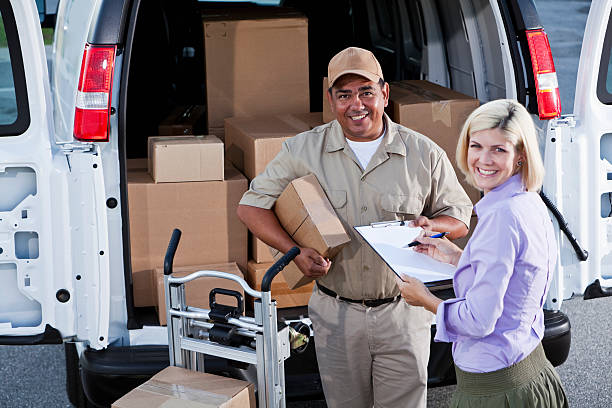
365, 302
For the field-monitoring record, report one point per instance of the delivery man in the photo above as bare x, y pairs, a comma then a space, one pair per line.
372, 349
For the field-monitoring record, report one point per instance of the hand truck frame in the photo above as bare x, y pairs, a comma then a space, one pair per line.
224, 331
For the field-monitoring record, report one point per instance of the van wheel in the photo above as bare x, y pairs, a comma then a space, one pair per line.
74, 387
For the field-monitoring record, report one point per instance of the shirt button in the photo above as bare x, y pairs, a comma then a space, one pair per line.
364, 208
366, 268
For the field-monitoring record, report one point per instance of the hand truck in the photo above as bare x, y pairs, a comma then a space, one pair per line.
225, 332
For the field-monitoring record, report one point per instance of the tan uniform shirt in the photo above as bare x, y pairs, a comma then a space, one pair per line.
408, 176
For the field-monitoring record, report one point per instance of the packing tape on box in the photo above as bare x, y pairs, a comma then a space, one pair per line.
204, 399
441, 112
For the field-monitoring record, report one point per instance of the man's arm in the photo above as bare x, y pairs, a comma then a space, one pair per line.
264, 224
442, 223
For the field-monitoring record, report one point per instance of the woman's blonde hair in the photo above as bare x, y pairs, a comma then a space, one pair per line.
511, 117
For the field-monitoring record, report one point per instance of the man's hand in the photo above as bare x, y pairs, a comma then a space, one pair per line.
441, 223
421, 221
311, 263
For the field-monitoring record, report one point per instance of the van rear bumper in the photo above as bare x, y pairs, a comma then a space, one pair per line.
108, 374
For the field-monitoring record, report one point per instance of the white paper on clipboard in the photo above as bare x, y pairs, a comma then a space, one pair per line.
389, 242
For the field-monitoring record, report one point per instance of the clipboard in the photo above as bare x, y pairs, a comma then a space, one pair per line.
389, 239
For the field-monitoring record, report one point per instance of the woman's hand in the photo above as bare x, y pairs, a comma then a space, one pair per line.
415, 293
440, 249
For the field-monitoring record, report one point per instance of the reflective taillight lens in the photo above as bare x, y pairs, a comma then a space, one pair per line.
91, 116
547, 87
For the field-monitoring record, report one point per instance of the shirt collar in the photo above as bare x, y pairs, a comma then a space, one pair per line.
509, 188
392, 141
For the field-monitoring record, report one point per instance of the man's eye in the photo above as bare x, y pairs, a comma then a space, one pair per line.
367, 93
343, 96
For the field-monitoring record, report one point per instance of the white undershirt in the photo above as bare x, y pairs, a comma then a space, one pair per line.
365, 150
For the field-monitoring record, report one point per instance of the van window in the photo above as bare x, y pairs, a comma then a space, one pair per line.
14, 112
604, 82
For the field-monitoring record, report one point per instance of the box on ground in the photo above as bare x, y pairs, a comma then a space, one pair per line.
184, 120
251, 143
328, 115
197, 291
306, 214
284, 296
188, 158
255, 65
435, 111
204, 211
178, 387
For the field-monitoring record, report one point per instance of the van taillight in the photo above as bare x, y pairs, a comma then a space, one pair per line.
92, 110
547, 87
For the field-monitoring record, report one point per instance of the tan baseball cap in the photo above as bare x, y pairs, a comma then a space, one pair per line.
354, 60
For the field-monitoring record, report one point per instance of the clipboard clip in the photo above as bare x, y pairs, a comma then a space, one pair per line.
382, 224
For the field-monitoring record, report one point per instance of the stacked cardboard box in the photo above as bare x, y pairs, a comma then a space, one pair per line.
256, 63
178, 387
435, 111
284, 296
251, 143
204, 211
185, 158
196, 291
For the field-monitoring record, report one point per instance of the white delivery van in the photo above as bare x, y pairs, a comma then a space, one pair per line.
120, 65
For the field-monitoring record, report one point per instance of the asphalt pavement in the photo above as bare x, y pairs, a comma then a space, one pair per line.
34, 376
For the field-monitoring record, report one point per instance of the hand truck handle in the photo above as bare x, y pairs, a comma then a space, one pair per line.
212, 299
169, 258
277, 267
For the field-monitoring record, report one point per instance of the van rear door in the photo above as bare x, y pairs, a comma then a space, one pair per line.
578, 163
53, 239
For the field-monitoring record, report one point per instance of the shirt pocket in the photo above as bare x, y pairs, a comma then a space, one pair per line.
337, 198
402, 207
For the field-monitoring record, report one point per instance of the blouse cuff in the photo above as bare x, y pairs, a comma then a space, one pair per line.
442, 332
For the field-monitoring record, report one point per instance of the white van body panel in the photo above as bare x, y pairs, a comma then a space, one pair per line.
53, 222
577, 176
68, 47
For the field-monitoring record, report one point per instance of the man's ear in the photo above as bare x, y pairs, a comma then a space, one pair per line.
385, 91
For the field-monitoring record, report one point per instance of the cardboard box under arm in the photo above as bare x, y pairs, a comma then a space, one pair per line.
306, 214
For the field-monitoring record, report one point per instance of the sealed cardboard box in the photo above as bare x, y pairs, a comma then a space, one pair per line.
197, 291
306, 214
184, 120
178, 387
260, 251
189, 158
251, 143
255, 65
328, 115
284, 296
204, 211
435, 111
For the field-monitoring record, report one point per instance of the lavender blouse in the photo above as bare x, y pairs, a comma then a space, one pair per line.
501, 282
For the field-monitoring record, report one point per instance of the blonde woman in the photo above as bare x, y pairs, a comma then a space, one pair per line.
496, 323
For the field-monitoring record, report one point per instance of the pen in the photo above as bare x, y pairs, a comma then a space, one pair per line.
415, 243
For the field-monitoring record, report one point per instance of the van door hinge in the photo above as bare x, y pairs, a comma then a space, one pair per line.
69, 148
564, 121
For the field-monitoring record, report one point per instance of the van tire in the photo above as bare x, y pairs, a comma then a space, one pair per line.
74, 387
